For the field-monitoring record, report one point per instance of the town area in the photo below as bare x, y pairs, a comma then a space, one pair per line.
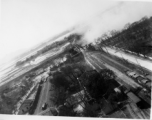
86, 80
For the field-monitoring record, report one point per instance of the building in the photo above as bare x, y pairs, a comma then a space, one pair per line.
149, 77
75, 98
39, 71
25, 107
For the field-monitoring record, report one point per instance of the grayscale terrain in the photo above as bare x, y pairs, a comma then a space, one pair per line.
84, 72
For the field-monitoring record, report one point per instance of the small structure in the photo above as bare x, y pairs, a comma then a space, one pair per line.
25, 107
76, 98
39, 71
148, 84
106, 106
139, 78
144, 81
139, 102
131, 74
133, 97
149, 77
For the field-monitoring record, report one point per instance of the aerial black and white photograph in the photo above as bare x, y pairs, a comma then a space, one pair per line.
76, 58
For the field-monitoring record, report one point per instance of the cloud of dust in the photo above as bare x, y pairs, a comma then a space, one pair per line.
114, 18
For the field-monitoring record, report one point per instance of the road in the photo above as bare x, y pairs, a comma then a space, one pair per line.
100, 61
97, 61
44, 96
143, 62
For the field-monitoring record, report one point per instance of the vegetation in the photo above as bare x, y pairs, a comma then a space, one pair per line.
11, 95
71, 38
66, 83
135, 37
35, 103
99, 84
90, 47
66, 111
59, 80
74, 37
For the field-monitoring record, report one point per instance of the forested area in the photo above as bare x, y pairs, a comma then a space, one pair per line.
135, 37
12, 94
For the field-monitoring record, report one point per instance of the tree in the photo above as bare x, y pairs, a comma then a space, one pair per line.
74, 37
66, 111
105, 36
132, 37
73, 51
61, 96
113, 33
90, 47
59, 80
107, 74
69, 59
68, 71
100, 83
127, 26
89, 111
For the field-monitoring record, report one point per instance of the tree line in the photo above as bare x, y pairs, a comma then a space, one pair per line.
71, 38
135, 37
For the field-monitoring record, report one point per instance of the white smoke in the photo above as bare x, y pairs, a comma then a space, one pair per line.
114, 18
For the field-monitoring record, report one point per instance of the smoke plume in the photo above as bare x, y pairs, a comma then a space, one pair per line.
113, 18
